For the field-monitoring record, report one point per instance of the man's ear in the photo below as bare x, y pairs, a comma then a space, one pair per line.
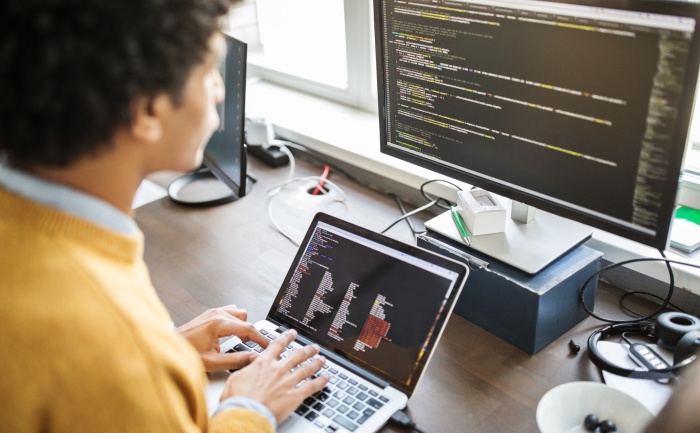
149, 117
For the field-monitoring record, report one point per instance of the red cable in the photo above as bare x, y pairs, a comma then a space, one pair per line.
324, 176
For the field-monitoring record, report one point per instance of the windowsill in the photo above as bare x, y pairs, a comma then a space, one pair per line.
351, 135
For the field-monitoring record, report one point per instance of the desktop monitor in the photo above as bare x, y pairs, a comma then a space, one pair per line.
580, 108
223, 176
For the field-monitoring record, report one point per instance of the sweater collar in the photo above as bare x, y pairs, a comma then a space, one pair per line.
66, 199
38, 219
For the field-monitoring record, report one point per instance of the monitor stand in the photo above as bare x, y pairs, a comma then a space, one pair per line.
202, 188
529, 247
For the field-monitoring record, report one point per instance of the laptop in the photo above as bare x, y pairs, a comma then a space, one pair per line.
375, 306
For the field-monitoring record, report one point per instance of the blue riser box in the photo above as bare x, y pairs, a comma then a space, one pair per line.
528, 311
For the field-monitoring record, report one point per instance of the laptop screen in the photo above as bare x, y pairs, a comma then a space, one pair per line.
373, 300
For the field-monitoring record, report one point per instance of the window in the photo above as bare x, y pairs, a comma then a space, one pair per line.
322, 47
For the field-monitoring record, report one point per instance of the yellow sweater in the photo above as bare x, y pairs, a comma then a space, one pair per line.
84, 340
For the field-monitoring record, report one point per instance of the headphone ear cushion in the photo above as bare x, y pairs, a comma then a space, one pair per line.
686, 346
672, 326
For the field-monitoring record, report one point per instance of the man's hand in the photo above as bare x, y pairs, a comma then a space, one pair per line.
272, 382
205, 330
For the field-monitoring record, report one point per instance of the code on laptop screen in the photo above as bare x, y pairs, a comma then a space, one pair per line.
376, 305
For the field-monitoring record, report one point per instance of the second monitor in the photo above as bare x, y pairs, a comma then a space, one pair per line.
580, 108
223, 177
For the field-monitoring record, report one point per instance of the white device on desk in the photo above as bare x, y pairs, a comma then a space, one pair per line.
526, 246
375, 306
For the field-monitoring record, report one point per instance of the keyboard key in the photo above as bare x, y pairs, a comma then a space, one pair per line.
362, 419
311, 416
352, 390
343, 376
384, 399
332, 402
309, 401
361, 396
375, 403
365, 414
328, 413
362, 387
332, 428
238, 348
345, 423
352, 414
334, 371
373, 393
343, 408
318, 406
342, 385
352, 381
348, 400
251, 343
301, 410
358, 406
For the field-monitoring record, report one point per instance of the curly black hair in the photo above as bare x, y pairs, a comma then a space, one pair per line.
70, 70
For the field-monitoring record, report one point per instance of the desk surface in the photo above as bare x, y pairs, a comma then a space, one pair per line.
201, 258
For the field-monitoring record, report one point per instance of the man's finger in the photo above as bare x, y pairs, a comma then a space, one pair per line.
308, 369
243, 330
279, 344
314, 385
238, 313
226, 361
301, 354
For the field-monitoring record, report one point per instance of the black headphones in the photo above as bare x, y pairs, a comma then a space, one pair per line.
678, 332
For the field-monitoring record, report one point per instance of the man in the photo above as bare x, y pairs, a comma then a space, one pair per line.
94, 96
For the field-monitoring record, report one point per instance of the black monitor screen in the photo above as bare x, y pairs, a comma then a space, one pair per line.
225, 153
579, 108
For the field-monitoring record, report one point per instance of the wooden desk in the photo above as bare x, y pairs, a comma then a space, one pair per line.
201, 258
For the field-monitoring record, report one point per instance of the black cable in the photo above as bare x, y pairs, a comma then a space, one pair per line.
439, 201
666, 302
642, 293
420, 209
401, 419
403, 212
431, 202
393, 224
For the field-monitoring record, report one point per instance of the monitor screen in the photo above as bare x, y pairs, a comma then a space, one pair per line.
580, 108
225, 153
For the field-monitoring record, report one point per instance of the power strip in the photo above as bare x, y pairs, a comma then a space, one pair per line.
272, 155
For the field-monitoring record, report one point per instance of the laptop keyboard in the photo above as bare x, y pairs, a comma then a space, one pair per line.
346, 401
